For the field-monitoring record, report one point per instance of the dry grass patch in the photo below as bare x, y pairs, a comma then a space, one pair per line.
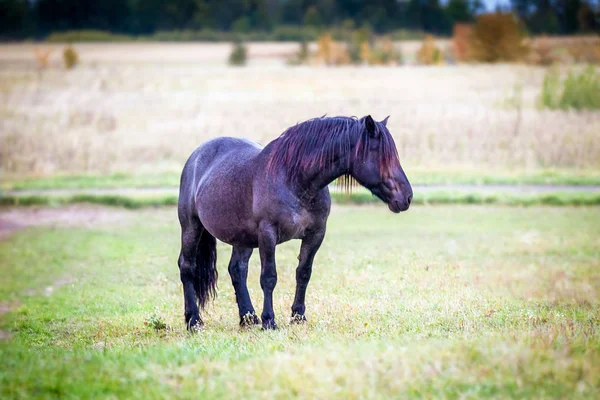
442, 117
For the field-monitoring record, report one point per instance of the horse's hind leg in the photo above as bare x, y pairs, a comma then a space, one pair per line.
191, 231
308, 250
238, 270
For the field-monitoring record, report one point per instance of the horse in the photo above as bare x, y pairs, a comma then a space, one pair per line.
251, 197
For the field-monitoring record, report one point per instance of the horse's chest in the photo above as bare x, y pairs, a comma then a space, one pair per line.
293, 224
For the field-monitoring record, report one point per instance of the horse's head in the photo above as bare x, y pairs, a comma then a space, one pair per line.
376, 166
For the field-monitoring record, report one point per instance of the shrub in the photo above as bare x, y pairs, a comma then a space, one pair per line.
155, 321
238, 54
581, 91
331, 52
461, 41
70, 57
578, 91
384, 53
497, 37
42, 57
241, 25
429, 53
365, 52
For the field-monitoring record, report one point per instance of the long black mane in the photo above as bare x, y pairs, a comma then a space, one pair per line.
314, 144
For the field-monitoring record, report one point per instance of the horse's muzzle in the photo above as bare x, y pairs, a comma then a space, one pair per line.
397, 206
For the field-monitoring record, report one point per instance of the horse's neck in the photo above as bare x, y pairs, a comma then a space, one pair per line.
318, 178
314, 179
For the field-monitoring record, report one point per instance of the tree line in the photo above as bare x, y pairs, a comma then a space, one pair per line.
38, 18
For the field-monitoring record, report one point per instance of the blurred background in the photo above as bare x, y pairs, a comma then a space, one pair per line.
118, 93
493, 103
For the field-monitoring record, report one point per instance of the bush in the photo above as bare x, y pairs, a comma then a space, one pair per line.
42, 58
461, 41
70, 57
384, 53
578, 91
331, 52
498, 37
582, 91
238, 55
429, 53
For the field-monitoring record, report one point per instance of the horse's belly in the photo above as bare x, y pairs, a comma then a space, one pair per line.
227, 215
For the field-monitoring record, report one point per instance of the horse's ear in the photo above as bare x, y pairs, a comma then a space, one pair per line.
384, 122
370, 125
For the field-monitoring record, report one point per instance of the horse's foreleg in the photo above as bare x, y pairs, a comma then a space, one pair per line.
238, 270
190, 236
267, 240
310, 246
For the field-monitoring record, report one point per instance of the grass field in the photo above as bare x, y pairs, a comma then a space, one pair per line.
444, 301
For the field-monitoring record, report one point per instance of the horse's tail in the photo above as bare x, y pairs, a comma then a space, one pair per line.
205, 282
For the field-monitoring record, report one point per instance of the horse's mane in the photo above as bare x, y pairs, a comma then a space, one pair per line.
314, 143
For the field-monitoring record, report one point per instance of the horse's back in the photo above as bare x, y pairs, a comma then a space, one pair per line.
217, 181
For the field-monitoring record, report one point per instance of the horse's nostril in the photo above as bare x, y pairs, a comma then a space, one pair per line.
409, 199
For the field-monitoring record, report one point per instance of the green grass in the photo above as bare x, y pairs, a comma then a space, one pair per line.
559, 177
416, 177
445, 301
359, 196
92, 181
108, 200
578, 91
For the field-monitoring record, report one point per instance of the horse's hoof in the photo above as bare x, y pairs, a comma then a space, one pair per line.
297, 319
269, 325
195, 325
249, 319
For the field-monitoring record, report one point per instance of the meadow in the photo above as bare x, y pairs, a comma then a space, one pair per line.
498, 297
444, 301
138, 109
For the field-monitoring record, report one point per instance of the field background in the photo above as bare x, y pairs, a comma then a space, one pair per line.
141, 108
444, 301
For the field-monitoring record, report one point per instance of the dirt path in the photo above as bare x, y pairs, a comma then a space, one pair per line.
15, 218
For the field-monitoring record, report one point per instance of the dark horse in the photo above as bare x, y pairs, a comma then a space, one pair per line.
248, 196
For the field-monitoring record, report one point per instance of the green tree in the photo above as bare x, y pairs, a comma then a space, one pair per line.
312, 18
588, 20
15, 18
201, 17
292, 12
241, 25
459, 11
261, 17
